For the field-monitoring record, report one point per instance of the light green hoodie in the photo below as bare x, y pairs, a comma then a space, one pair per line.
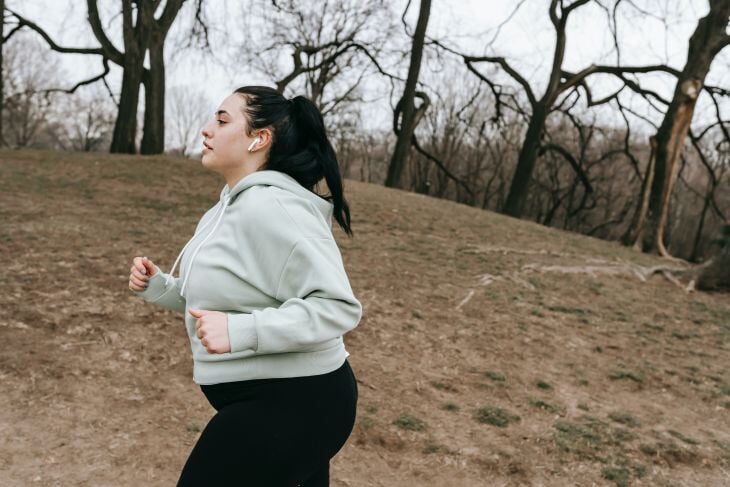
265, 255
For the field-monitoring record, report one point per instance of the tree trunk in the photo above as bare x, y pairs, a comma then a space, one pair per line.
633, 233
407, 127
707, 40
514, 205
125, 126
136, 39
2, 78
700, 226
153, 139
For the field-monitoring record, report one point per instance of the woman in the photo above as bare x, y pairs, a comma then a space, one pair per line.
266, 298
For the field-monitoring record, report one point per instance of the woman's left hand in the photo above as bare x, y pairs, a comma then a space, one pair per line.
212, 329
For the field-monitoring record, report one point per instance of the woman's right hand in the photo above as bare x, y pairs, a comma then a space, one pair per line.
141, 271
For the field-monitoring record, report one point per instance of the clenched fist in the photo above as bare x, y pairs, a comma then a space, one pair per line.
140, 272
212, 329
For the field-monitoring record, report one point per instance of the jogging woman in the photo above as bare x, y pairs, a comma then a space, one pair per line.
266, 298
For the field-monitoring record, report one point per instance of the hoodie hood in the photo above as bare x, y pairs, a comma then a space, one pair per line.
228, 195
281, 180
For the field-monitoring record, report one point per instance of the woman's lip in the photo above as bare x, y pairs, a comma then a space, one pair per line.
206, 146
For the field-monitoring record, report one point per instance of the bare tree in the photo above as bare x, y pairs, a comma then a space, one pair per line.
457, 140
718, 170
2, 77
28, 70
153, 140
561, 86
187, 109
333, 46
84, 120
708, 39
141, 31
406, 114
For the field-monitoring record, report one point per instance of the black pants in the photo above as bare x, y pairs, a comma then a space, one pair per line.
273, 432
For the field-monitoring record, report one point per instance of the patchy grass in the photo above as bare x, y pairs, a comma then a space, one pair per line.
410, 422
682, 437
667, 450
625, 418
619, 475
583, 438
624, 374
432, 447
545, 405
496, 416
498, 376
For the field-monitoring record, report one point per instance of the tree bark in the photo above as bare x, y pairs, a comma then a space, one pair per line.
2, 78
407, 126
136, 37
515, 202
125, 125
140, 32
153, 139
707, 40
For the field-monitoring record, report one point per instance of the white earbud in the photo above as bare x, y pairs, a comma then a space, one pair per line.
257, 139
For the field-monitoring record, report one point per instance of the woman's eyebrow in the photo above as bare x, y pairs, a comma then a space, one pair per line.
222, 112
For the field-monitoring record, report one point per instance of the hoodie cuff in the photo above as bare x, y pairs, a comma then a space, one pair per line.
155, 287
242, 332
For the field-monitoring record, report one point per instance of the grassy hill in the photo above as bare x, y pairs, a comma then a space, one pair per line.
486, 354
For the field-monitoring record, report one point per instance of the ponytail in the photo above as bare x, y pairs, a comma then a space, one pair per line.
300, 146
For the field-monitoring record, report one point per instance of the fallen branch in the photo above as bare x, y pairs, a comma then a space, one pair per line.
672, 274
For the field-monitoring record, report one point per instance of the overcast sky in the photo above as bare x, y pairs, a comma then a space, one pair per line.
526, 40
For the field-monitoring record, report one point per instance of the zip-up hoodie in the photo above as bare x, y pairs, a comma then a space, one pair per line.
264, 255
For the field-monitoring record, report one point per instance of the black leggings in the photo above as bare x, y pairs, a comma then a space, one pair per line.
279, 432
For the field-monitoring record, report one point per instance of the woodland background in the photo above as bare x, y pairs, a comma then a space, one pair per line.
610, 120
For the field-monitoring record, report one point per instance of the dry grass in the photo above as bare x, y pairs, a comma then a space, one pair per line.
615, 381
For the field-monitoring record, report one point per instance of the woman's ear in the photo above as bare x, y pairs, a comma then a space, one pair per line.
261, 140
265, 136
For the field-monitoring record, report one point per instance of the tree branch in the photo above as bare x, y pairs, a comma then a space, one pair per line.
23, 22
105, 61
109, 50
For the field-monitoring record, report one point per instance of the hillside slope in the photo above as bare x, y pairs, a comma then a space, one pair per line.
481, 358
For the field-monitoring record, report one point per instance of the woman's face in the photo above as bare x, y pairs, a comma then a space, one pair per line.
225, 143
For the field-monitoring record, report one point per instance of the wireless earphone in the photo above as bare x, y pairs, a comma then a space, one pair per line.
257, 139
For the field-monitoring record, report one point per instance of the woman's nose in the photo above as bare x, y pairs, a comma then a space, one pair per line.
205, 131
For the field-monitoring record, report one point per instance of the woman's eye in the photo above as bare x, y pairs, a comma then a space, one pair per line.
220, 121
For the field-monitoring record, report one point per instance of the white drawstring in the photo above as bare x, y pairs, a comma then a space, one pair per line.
222, 208
224, 204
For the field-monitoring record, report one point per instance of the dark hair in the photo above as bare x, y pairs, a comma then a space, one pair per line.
299, 146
